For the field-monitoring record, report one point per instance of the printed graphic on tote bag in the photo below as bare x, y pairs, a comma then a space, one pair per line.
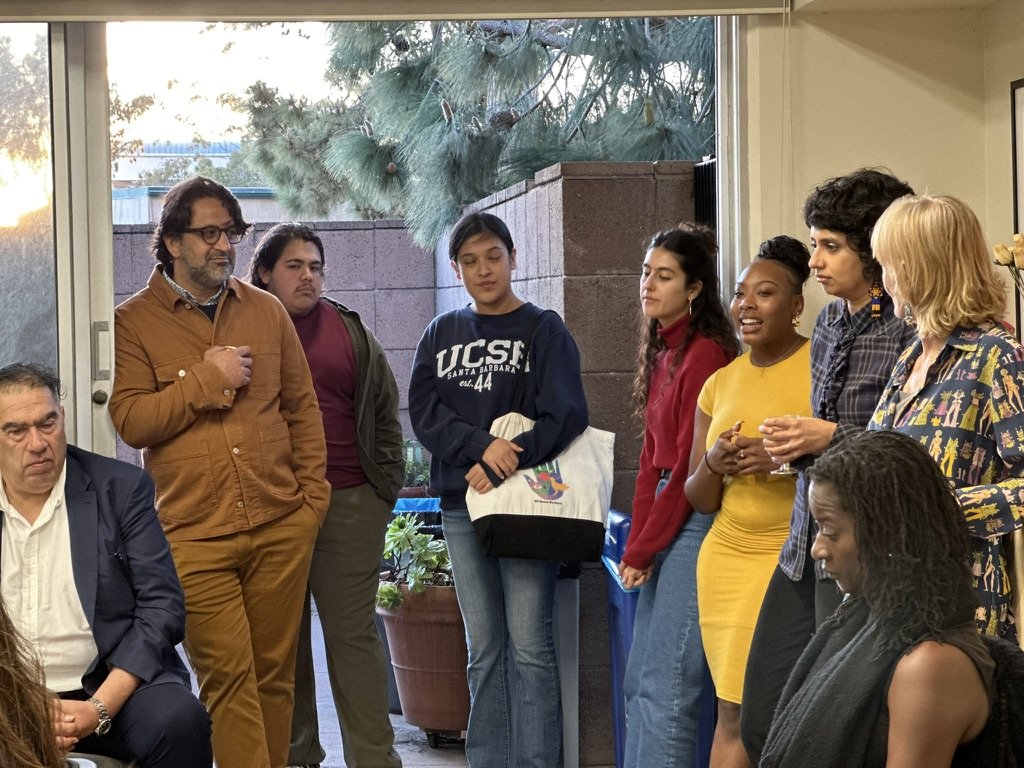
548, 483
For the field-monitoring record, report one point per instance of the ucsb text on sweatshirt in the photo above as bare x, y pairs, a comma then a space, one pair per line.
464, 376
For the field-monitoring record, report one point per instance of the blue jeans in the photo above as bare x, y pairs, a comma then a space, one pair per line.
666, 671
507, 605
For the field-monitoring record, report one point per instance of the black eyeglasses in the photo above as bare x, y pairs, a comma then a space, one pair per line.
211, 235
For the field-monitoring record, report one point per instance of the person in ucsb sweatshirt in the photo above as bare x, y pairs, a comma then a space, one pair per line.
465, 374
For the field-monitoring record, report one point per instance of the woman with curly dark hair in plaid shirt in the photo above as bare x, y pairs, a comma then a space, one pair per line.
854, 346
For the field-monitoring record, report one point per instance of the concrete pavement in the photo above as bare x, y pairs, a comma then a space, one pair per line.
410, 741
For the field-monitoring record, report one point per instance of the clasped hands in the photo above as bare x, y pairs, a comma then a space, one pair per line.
735, 454
73, 720
501, 457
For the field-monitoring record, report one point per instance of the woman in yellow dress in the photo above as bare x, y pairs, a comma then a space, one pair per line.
731, 475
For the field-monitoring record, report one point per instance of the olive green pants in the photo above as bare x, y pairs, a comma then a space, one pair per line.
343, 582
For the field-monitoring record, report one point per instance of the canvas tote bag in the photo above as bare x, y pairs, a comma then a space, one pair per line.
552, 511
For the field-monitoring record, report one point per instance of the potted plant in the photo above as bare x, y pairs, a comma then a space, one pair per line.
426, 637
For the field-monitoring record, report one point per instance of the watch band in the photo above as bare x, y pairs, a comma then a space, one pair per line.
104, 724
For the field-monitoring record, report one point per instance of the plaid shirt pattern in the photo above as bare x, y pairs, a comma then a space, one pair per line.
852, 357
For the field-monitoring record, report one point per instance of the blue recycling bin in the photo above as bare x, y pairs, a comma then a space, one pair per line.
621, 614
427, 509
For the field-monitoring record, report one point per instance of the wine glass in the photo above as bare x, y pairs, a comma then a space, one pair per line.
784, 468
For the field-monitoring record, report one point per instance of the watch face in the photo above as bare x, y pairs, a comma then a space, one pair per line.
103, 727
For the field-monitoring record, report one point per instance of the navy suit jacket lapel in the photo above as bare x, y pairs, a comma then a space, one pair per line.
80, 499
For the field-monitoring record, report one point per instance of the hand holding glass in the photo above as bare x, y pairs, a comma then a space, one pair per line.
784, 468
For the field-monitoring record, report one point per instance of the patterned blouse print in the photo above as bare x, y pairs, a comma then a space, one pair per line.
970, 417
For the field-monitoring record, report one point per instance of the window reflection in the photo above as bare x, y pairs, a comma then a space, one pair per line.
28, 310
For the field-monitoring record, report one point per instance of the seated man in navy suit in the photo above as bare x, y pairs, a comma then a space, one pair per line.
87, 576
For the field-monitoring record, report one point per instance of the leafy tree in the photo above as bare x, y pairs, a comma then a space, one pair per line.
122, 113
239, 171
27, 269
290, 134
25, 117
439, 114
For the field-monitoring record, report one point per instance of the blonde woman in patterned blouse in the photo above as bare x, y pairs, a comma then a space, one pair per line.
956, 389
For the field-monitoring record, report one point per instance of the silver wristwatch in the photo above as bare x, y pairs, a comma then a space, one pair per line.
105, 722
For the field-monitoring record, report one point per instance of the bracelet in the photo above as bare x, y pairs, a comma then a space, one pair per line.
708, 465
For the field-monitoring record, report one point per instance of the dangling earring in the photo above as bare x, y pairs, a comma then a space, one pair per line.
908, 314
876, 299
796, 319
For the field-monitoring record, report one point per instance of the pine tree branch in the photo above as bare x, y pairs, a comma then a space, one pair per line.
564, 58
505, 29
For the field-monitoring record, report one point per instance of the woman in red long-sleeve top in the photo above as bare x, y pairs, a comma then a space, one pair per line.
686, 336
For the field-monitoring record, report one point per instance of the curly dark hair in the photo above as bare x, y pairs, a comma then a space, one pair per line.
695, 247
272, 244
912, 541
790, 253
26, 719
176, 214
851, 204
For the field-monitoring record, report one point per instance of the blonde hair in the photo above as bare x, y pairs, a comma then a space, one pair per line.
934, 247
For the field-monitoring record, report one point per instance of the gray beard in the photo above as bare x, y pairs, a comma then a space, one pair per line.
207, 276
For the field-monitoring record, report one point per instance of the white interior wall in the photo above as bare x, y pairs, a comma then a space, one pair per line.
1004, 63
914, 91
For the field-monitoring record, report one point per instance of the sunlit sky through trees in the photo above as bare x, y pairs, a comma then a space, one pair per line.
186, 66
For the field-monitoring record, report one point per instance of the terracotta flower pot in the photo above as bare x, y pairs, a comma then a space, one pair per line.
414, 492
427, 640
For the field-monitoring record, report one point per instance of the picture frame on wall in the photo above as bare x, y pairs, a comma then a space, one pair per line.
1017, 130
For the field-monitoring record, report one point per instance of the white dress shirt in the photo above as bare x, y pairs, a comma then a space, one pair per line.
38, 587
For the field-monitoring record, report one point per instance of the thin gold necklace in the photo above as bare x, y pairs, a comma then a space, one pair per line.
799, 340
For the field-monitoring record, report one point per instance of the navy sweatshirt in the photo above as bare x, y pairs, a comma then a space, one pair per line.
465, 375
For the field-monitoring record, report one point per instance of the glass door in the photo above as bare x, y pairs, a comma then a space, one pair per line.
28, 312
55, 231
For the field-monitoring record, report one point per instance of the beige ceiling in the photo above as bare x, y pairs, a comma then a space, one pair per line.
297, 10
276, 10
886, 5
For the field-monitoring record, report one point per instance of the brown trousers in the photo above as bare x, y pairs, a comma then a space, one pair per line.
243, 599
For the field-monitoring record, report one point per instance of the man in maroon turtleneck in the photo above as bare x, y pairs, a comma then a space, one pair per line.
358, 397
